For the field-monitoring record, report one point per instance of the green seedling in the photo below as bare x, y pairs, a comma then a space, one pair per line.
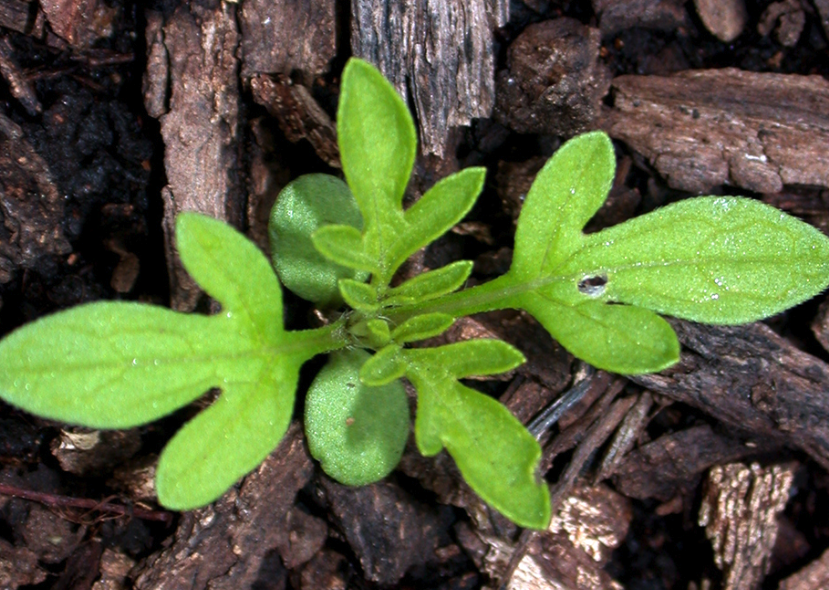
116, 365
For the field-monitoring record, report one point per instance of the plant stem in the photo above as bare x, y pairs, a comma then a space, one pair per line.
321, 340
496, 294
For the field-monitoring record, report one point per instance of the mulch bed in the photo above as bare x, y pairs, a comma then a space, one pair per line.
115, 116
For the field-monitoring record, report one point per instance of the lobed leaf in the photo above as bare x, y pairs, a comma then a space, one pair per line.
228, 439
302, 207
721, 260
430, 285
567, 192
496, 455
436, 212
618, 338
356, 432
115, 365
343, 244
377, 143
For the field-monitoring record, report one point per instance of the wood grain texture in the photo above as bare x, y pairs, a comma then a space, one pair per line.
704, 128
438, 54
192, 87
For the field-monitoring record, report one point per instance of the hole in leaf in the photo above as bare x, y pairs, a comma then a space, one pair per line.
593, 286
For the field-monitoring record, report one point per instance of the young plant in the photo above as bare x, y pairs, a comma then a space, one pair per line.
118, 365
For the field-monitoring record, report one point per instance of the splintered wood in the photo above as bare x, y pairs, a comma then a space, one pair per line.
590, 524
440, 54
739, 513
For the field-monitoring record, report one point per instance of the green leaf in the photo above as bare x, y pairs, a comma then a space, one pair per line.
379, 334
228, 439
355, 431
496, 455
721, 260
303, 206
430, 285
384, 367
343, 245
377, 142
568, 190
473, 358
436, 212
115, 365
213, 254
359, 295
421, 327
618, 338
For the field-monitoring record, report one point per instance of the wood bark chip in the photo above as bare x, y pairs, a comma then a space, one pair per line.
225, 545
786, 18
439, 55
388, 530
80, 22
280, 36
31, 207
753, 381
19, 567
298, 114
725, 19
554, 81
739, 512
671, 466
618, 15
570, 554
19, 86
823, 10
701, 129
193, 53
21, 16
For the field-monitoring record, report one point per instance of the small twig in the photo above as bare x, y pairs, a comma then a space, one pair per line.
85, 503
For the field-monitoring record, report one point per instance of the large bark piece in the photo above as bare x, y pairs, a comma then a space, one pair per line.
439, 53
193, 54
228, 544
752, 380
701, 129
554, 83
279, 36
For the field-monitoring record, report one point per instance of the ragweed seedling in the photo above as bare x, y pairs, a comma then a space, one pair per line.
117, 365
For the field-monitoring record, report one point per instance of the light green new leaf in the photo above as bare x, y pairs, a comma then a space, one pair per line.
436, 212
115, 365
379, 333
721, 260
377, 143
377, 140
355, 431
567, 192
496, 455
384, 367
343, 244
359, 295
430, 285
303, 206
421, 327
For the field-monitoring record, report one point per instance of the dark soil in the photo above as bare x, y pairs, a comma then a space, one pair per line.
77, 129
